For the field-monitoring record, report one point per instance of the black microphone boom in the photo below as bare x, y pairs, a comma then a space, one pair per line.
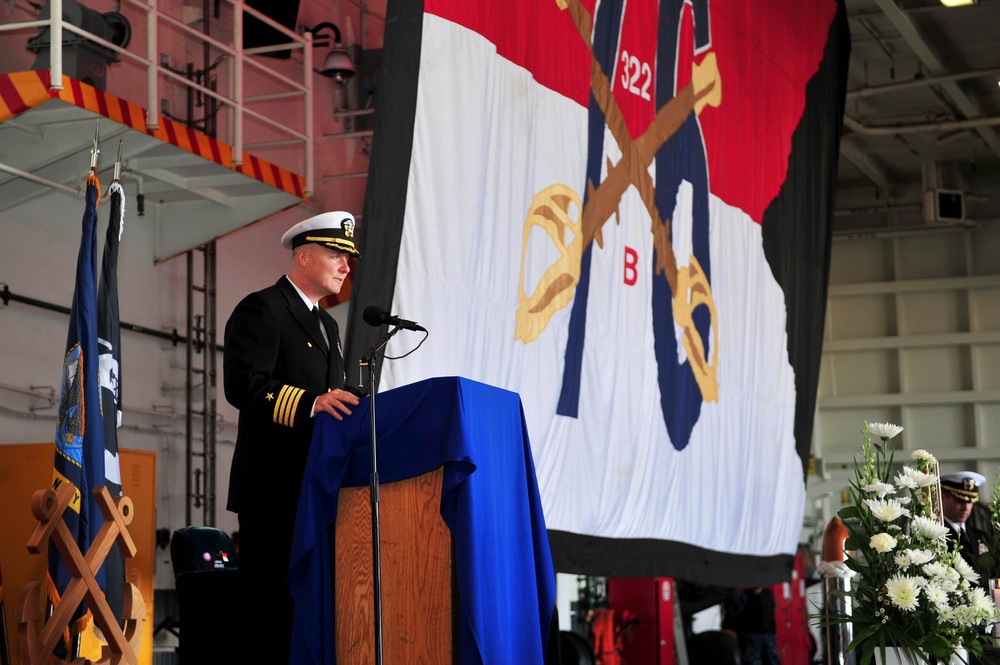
376, 316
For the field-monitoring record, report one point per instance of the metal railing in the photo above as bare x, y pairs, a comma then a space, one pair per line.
241, 59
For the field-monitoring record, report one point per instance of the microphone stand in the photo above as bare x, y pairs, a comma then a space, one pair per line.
369, 360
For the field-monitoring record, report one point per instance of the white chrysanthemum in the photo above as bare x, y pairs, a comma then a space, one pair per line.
946, 612
936, 594
980, 601
923, 455
902, 592
911, 478
934, 583
953, 575
965, 570
928, 529
882, 542
965, 615
902, 560
920, 556
935, 569
884, 431
886, 510
879, 488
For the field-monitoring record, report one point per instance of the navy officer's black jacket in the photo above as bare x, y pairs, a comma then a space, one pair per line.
275, 365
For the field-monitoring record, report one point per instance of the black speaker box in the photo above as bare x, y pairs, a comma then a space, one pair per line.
257, 33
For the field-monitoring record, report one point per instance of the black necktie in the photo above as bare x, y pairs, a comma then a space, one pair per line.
322, 328
967, 541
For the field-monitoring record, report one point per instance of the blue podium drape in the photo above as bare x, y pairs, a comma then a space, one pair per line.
489, 501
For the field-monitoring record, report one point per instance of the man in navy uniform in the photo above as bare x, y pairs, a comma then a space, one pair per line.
959, 493
283, 364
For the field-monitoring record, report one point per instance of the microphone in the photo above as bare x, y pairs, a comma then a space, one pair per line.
376, 316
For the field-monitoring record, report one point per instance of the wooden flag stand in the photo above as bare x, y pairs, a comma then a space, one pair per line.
4, 643
122, 647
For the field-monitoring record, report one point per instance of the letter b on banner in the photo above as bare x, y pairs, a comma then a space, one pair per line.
631, 266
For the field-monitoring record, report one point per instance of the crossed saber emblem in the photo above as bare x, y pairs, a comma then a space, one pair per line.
550, 210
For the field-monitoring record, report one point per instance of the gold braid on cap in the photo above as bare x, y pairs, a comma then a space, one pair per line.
336, 242
967, 492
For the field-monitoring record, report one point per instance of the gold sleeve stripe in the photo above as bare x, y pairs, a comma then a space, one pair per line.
295, 406
278, 405
285, 405
291, 399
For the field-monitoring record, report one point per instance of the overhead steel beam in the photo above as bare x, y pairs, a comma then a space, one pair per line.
930, 59
863, 162
921, 82
941, 126
187, 184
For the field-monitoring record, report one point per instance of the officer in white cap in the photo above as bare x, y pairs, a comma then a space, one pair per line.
959, 494
282, 365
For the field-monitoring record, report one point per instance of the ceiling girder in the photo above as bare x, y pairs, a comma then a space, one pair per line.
933, 63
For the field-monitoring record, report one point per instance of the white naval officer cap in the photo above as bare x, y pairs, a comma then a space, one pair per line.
963, 485
330, 229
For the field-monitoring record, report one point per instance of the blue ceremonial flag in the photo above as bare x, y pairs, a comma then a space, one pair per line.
109, 349
79, 453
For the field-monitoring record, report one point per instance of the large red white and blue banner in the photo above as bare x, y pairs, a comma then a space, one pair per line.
619, 210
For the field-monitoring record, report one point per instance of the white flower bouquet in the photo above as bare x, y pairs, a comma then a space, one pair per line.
989, 560
911, 591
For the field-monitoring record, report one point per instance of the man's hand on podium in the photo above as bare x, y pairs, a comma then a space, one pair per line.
336, 403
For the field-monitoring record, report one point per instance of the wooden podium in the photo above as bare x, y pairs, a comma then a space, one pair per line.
416, 575
466, 570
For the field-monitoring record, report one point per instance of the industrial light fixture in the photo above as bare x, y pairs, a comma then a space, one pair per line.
338, 64
958, 3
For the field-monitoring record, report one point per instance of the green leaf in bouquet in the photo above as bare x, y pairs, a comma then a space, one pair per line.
855, 542
849, 513
937, 646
